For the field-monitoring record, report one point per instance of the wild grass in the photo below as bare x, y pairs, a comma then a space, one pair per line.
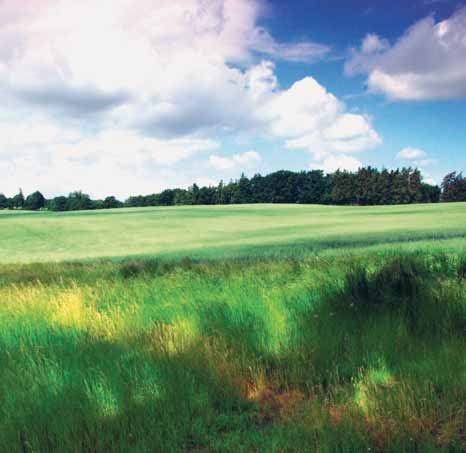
213, 232
346, 352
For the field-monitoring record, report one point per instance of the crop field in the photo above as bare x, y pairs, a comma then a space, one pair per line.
234, 328
224, 231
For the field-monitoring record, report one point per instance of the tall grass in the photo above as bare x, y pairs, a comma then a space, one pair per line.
207, 232
313, 354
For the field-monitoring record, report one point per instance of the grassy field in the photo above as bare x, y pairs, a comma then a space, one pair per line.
220, 231
252, 328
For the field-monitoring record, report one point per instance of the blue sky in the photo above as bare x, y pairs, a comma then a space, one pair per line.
123, 97
438, 127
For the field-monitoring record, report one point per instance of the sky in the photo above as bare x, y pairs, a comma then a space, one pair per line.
126, 97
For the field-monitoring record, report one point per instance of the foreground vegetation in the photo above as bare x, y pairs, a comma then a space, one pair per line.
351, 353
288, 328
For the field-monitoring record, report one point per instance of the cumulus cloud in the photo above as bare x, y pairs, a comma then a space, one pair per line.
304, 51
310, 118
38, 155
244, 160
169, 53
411, 154
372, 44
338, 162
427, 62
415, 156
126, 90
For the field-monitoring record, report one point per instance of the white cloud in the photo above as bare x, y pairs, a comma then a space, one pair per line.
341, 162
304, 51
416, 156
129, 147
244, 160
411, 154
113, 106
40, 156
373, 43
427, 162
312, 119
427, 62
261, 80
163, 59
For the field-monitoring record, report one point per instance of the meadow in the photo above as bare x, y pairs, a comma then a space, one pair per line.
235, 328
225, 231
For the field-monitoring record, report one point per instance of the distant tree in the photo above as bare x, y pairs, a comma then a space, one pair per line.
259, 187
182, 197
136, 201
3, 201
207, 195
383, 188
228, 192
430, 194
78, 201
344, 188
35, 201
194, 189
111, 203
17, 202
58, 204
454, 187
97, 204
280, 187
400, 189
220, 193
415, 183
242, 191
166, 198
313, 187
367, 186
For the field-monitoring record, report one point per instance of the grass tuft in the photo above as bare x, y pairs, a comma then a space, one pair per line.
253, 354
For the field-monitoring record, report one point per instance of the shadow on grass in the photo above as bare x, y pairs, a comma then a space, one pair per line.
374, 360
357, 374
161, 264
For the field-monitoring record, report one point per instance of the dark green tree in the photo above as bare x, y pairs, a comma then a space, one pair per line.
17, 202
313, 187
383, 188
35, 201
194, 189
78, 201
58, 204
3, 201
242, 191
400, 186
454, 187
344, 188
111, 203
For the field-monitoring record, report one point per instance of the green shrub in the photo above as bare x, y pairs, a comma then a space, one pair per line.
461, 269
132, 269
400, 279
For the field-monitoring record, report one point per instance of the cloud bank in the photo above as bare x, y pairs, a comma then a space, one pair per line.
426, 63
113, 96
245, 160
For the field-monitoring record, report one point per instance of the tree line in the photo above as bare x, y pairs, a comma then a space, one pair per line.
368, 186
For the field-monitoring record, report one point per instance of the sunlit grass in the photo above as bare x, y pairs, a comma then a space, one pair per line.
270, 354
308, 328
227, 231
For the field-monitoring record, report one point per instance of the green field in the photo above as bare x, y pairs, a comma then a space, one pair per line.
234, 328
225, 231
